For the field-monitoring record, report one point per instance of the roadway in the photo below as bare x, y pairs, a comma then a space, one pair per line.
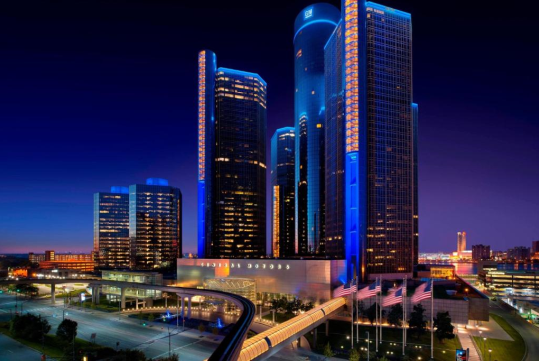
11, 350
109, 329
529, 333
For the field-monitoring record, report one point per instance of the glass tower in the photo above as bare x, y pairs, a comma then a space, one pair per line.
371, 137
111, 228
155, 224
232, 161
312, 28
283, 146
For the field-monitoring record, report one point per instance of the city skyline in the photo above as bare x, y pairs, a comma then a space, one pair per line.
56, 185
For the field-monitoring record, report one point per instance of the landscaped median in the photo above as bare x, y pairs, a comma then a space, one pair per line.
501, 349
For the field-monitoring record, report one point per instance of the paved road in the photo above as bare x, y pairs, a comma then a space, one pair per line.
154, 341
529, 333
11, 350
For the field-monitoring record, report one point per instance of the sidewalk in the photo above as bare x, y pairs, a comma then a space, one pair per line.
465, 339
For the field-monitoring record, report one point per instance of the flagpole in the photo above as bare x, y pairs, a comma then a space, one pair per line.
406, 315
431, 320
403, 313
376, 316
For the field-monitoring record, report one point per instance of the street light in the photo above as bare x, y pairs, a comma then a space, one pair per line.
489, 354
368, 345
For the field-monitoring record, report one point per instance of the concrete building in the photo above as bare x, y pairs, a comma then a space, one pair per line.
480, 252
519, 253
141, 296
461, 242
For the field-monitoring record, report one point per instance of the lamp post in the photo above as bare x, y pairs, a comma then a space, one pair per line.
368, 346
489, 354
485, 345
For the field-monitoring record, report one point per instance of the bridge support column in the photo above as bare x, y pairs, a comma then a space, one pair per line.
183, 307
122, 297
327, 328
189, 307
97, 295
299, 342
53, 293
315, 336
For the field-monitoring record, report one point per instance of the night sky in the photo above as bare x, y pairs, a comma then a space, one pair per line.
101, 93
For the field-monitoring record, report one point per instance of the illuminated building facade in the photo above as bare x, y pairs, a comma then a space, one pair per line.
155, 224
461, 242
480, 252
283, 144
111, 228
232, 161
371, 121
312, 28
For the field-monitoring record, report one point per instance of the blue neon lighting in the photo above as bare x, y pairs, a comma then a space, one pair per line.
388, 9
332, 34
308, 14
314, 22
201, 219
242, 73
156, 182
119, 189
351, 239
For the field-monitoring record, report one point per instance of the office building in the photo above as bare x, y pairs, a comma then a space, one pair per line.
378, 140
461, 242
480, 252
111, 228
312, 28
283, 145
232, 161
49, 255
535, 248
510, 283
155, 224
519, 254
50, 260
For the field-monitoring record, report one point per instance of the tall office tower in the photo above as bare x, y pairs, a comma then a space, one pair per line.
480, 252
377, 140
535, 247
312, 28
111, 228
232, 161
335, 133
283, 145
155, 224
461, 242
415, 116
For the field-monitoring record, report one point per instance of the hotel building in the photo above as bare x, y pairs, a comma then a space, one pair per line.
312, 28
373, 121
232, 161
155, 224
111, 228
282, 188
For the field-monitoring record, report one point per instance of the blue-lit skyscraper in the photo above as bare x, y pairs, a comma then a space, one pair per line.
111, 228
232, 161
283, 144
155, 224
369, 60
312, 28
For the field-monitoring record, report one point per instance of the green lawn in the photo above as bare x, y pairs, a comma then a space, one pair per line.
339, 330
53, 346
501, 349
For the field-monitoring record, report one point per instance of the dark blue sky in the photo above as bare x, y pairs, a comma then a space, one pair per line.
101, 93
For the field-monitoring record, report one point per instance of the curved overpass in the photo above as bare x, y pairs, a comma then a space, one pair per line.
228, 349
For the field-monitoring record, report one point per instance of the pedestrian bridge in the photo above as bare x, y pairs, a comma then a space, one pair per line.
269, 342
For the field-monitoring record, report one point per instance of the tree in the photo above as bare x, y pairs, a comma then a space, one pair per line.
29, 327
371, 313
172, 357
417, 321
354, 355
131, 355
444, 328
384, 359
394, 317
151, 317
293, 306
306, 306
328, 352
67, 330
361, 309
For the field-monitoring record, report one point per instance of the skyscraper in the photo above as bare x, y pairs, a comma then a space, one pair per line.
312, 28
369, 61
155, 224
232, 161
480, 252
282, 186
461, 242
111, 228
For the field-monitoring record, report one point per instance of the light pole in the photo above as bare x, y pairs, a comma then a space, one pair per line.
489, 354
168, 341
368, 346
485, 346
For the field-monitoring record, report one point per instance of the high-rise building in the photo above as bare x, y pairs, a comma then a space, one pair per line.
461, 242
519, 253
372, 127
49, 255
535, 247
155, 224
283, 145
312, 28
232, 161
111, 228
480, 252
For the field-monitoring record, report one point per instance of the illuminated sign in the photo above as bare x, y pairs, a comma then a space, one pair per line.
308, 13
249, 265
462, 355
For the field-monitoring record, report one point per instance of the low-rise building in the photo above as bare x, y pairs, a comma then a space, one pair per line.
515, 283
145, 296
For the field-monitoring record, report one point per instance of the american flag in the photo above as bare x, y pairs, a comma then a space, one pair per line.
369, 291
422, 292
345, 290
393, 298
